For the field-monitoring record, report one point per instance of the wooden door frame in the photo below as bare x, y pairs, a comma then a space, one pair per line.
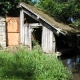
31, 26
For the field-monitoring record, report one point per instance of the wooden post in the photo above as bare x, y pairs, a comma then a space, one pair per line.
25, 34
21, 27
54, 44
30, 37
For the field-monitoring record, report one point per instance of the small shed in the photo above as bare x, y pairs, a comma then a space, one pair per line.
47, 31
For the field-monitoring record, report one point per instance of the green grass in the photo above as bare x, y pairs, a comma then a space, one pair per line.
31, 65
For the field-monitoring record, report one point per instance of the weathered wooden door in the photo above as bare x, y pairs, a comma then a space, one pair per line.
13, 31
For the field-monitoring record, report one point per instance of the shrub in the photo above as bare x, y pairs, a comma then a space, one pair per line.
32, 65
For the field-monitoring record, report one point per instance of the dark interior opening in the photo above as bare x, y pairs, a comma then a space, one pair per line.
62, 43
29, 19
37, 36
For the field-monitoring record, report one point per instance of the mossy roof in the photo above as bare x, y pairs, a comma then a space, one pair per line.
60, 25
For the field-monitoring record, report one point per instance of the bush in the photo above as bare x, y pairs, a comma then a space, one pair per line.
32, 65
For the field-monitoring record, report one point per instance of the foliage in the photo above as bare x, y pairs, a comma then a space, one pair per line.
31, 65
76, 24
62, 11
9, 7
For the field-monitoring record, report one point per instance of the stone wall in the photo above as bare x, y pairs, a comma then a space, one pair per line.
2, 32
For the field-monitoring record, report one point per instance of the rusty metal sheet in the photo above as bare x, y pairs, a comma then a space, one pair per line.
13, 39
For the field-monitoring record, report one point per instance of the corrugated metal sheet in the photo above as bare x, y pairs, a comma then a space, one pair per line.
13, 31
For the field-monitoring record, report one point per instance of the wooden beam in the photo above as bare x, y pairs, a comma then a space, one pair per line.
30, 14
35, 24
30, 37
21, 26
25, 34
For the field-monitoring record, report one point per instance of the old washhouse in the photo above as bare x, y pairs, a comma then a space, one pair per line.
49, 33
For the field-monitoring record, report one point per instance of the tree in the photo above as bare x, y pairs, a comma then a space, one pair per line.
60, 1
9, 7
61, 9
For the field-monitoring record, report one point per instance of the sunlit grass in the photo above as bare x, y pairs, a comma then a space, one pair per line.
31, 65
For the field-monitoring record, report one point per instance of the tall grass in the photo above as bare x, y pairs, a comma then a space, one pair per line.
31, 65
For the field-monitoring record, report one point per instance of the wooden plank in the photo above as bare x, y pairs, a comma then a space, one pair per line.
30, 36
51, 42
13, 24
46, 32
26, 37
43, 39
13, 39
25, 34
54, 44
35, 24
47, 41
21, 27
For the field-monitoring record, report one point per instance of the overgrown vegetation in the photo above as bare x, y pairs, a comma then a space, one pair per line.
31, 65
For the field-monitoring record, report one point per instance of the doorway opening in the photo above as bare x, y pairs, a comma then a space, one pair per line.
37, 36
62, 44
